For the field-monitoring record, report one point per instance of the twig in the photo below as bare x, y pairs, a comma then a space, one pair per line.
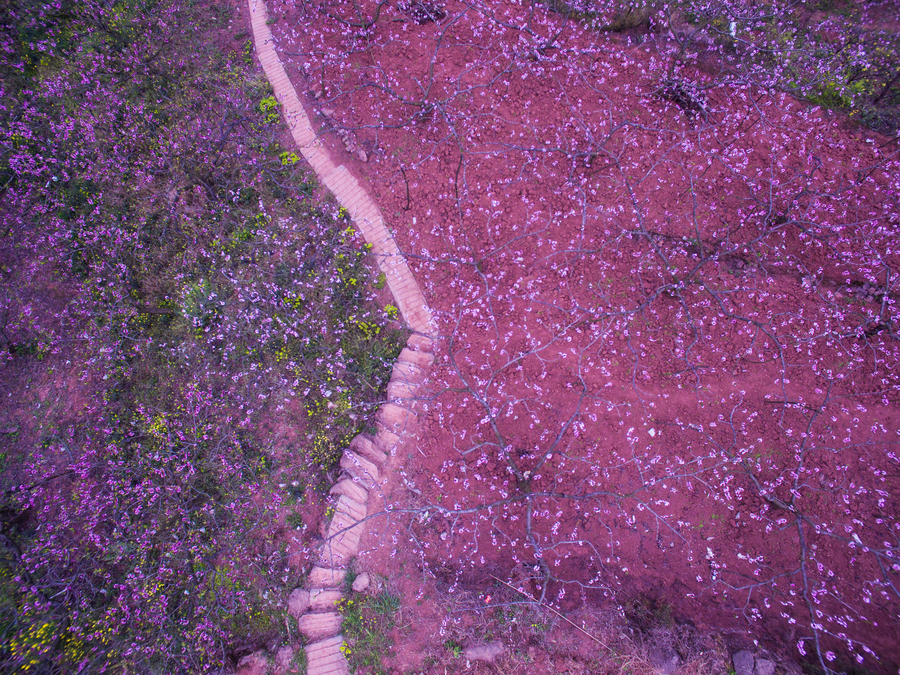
564, 618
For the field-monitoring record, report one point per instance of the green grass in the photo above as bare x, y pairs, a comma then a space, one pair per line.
367, 624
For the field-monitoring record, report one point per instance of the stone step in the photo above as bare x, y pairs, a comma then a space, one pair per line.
360, 468
386, 440
319, 625
421, 360
324, 577
395, 418
347, 512
340, 550
324, 599
364, 445
326, 646
402, 393
407, 372
304, 600
344, 533
422, 343
351, 489
326, 658
331, 665
361, 463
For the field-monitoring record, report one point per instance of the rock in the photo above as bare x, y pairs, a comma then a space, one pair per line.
298, 602
670, 666
283, 660
361, 582
328, 112
363, 156
486, 653
664, 659
743, 663
254, 664
765, 667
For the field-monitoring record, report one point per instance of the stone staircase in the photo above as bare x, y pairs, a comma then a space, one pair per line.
365, 463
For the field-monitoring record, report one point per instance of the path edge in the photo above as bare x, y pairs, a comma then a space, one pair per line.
364, 464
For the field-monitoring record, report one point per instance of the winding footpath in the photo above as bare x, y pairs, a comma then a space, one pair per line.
365, 463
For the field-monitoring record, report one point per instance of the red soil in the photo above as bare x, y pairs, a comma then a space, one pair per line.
670, 362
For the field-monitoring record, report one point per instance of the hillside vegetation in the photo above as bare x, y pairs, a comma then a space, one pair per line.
189, 338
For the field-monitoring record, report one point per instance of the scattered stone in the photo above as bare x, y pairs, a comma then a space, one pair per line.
328, 112
361, 582
363, 156
743, 663
486, 653
298, 602
765, 667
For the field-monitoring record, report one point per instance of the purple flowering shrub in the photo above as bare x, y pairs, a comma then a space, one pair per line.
164, 255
